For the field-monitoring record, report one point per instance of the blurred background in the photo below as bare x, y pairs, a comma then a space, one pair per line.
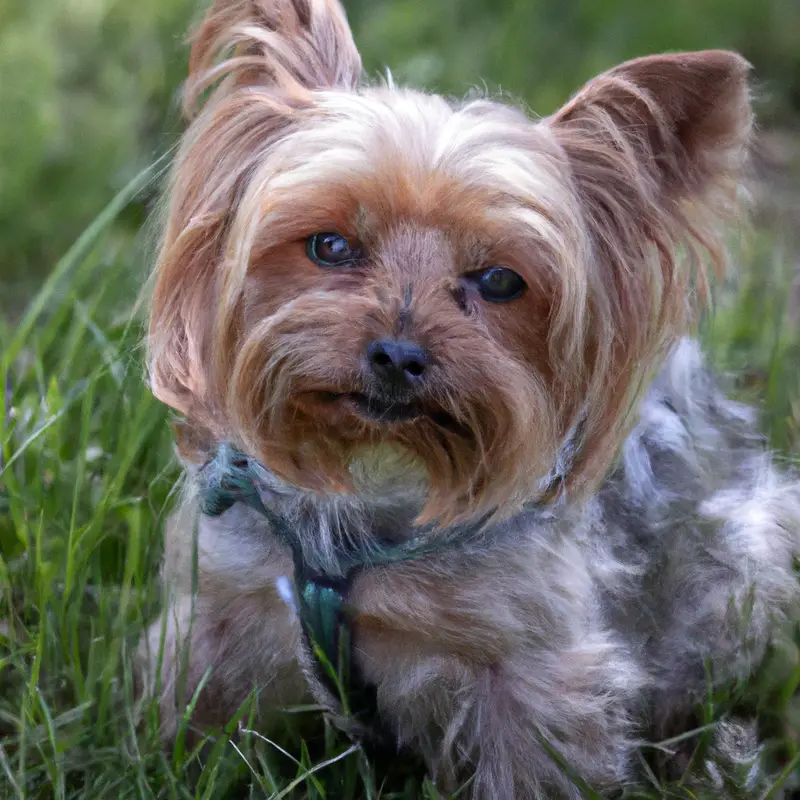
88, 87
88, 98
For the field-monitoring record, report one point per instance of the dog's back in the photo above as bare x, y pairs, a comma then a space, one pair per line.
708, 528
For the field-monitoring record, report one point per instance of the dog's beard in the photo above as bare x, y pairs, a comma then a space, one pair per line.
291, 398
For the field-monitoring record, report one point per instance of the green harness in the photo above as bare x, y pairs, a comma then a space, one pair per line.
320, 595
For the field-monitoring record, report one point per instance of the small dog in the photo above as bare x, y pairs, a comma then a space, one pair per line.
439, 407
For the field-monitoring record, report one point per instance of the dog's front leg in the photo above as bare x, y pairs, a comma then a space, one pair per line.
224, 624
518, 691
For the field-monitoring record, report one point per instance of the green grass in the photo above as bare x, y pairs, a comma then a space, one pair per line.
86, 480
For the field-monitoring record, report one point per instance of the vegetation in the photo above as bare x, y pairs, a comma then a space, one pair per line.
89, 86
86, 467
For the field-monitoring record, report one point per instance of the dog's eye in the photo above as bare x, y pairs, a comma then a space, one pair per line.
331, 250
498, 284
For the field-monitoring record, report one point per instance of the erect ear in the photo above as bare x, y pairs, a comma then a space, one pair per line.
655, 149
672, 126
291, 45
261, 60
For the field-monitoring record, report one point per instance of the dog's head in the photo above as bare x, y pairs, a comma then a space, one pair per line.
348, 266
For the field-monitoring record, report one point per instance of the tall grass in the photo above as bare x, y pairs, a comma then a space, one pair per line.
85, 482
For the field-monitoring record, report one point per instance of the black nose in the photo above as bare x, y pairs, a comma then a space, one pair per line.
397, 362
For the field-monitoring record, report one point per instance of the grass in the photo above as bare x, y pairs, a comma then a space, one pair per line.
86, 476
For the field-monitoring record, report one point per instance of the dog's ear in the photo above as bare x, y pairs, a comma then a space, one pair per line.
291, 45
662, 129
260, 61
655, 150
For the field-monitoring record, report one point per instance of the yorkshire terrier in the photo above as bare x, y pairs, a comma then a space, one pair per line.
440, 416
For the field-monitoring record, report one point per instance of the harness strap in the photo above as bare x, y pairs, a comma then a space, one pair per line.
326, 622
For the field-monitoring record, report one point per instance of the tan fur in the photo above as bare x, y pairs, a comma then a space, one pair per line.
610, 210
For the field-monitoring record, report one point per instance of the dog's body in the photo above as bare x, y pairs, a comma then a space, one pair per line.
589, 628
478, 342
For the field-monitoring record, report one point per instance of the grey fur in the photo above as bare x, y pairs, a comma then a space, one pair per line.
587, 627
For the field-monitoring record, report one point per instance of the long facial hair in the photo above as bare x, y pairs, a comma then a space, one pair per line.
610, 210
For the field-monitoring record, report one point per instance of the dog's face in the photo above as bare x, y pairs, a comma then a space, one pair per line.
348, 267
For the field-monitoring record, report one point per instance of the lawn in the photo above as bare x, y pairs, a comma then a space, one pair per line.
87, 476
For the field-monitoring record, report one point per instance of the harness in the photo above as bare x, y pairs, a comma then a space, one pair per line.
320, 596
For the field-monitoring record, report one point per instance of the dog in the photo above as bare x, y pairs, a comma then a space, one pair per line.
440, 403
